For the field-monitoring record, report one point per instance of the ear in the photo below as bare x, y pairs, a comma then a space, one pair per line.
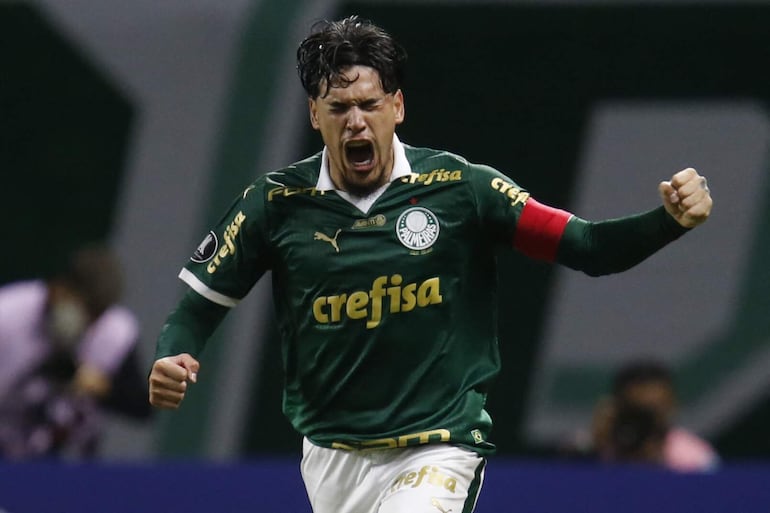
313, 108
398, 105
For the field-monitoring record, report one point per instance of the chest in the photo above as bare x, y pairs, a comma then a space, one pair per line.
410, 230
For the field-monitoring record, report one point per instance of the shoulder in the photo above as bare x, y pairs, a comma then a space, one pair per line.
118, 318
297, 177
425, 160
20, 300
431, 166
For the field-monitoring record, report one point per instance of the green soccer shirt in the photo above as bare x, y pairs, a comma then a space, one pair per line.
388, 317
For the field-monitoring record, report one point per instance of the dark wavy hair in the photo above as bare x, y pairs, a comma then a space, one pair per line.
333, 46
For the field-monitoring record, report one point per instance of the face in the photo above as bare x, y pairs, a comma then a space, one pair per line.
67, 316
357, 123
655, 395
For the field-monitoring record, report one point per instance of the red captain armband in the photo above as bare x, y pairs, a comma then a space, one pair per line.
539, 230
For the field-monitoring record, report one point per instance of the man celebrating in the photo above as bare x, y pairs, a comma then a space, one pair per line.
384, 272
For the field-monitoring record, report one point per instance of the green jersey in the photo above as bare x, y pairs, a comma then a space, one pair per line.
388, 316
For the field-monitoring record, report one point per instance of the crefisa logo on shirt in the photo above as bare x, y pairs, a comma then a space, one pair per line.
417, 228
206, 249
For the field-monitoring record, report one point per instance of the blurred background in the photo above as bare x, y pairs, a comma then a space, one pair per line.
136, 123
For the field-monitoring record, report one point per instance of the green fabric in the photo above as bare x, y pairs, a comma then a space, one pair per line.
387, 318
356, 304
475, 488
189, 326
614, 245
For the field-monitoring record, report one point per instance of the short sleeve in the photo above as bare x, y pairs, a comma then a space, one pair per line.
514, 218
499, 201
234, 254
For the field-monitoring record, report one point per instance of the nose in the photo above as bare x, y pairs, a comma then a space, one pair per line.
355, 122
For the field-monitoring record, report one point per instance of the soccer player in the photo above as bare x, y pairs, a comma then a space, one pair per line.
383, 264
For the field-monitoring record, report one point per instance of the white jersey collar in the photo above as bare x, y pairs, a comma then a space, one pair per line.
401, 167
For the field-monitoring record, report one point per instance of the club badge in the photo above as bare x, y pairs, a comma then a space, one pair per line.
417, 228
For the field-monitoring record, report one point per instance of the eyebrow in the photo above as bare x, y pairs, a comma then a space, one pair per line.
368, 102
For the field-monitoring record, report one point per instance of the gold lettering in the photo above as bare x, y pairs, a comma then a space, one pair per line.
273, 192
230, 233
428, 293
407, 296
370, 305
356, 305
381, 443
318, 313
395, 293
291, 191
521, 197
409, 478
424, 437
421, 438
420, 475
343, 446
436, 478
336, 303
450, 484
377, 293
398, 482
512, 192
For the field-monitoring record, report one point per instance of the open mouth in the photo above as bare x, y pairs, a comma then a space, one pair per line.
360, 154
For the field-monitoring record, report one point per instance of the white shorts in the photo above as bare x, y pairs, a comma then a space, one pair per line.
434, 478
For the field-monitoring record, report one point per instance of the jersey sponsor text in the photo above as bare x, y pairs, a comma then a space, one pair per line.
430, 475
228, 248
421, 438
514, 193
286, 191
369, 305
437, 175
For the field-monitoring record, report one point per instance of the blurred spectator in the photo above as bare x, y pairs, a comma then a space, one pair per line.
67, 354
636, 423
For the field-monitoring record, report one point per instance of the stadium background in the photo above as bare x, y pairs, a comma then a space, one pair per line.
138, 122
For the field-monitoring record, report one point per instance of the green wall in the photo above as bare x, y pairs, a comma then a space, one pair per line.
64, 130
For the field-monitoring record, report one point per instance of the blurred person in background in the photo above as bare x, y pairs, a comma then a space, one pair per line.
637, 422
67, 355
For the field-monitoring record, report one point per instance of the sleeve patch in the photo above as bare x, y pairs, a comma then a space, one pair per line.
539, 230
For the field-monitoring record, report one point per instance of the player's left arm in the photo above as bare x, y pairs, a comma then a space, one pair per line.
613, 245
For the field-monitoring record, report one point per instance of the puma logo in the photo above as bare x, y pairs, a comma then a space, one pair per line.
434, 502
330, 240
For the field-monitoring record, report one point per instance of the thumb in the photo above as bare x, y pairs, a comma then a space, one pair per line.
668, 193
191, 364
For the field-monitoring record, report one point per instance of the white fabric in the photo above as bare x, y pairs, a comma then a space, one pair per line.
203, 289
422, 479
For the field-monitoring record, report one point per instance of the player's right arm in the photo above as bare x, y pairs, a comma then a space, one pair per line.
181, 340
229, 260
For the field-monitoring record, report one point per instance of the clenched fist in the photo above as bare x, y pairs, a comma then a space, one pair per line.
169, 377
687, 197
